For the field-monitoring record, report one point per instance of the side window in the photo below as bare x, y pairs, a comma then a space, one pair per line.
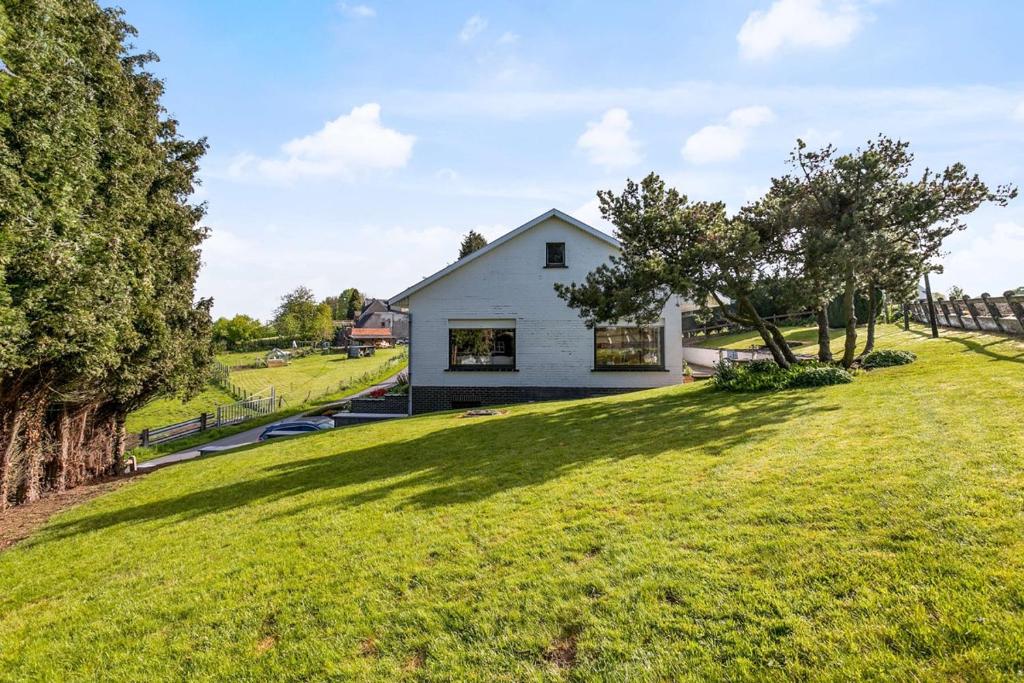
555, 256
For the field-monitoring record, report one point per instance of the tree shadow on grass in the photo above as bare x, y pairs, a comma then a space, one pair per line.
969, 340
471, 459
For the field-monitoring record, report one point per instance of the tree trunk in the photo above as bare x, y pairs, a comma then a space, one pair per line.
762, 329
849, 307
869, 345
824, 339
10, 445
33, 448
781, 342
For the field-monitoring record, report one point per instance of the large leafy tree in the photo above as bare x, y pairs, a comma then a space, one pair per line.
671, 245
231, 332
865, 225
299, 315
98, 245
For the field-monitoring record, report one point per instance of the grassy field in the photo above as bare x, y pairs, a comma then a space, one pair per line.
748, 339
870, 530
167, 411
313, 377
304, 381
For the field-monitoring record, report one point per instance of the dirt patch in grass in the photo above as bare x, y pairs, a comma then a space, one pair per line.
562, 652
18, 523
368, 647
265, 644
416, 661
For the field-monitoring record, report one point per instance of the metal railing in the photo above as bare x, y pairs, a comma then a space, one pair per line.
229, 414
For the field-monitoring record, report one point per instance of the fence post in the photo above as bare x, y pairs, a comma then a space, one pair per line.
973, 311
218, 416
1016, 306
945, 313
956, 311
906, 317
993, 311
144, 437
202, 421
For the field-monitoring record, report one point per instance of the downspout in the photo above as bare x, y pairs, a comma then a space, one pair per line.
408, 372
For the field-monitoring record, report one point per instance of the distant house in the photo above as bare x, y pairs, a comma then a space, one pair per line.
490, 329
378, 314
376, 336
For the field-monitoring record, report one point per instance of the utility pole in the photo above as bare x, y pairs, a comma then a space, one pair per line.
931, 306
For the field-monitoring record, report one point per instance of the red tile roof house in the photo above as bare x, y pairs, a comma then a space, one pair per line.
489, 329
378, 336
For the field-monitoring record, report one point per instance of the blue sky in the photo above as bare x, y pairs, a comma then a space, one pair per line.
353, 143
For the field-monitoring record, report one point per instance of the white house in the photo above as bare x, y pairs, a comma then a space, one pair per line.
489, 328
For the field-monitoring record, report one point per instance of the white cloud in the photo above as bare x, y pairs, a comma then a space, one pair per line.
473, 27
508, 38
1018, 113
608, 143
590, 213
981, 261
725, 142
350, 143
798, 24
357, 11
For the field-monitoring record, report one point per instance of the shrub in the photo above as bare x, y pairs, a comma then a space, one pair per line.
888, 358
765, 375
805, 377
756, 376
762, 365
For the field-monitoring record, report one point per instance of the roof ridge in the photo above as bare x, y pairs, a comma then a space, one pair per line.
491, 246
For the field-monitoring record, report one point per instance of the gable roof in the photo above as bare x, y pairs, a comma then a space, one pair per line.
551, 213
371, 332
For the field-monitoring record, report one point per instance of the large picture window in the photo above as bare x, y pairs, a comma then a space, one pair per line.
629, 348
482, 349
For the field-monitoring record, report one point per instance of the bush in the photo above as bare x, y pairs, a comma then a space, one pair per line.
819, 377
888, 358
765, 375
763, 365
755, 376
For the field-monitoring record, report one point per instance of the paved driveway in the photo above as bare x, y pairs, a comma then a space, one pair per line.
252, 435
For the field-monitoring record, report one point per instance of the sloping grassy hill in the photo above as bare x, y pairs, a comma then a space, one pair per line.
866, 530
312, 378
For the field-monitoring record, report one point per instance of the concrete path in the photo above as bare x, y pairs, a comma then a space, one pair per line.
251, 436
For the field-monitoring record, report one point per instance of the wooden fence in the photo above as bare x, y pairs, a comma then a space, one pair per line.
988, 313
229, 414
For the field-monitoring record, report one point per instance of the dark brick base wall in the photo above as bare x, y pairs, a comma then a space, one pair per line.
392, 404
430, 399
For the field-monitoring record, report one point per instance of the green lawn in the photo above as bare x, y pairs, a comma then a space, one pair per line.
870, 530
304, 381
167, 411
807, 335
313, 377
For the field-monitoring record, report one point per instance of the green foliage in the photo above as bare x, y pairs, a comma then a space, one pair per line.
230, 333
956, 293
887, 358
471, 242
347, 305
99, 243
819, 377
766, 375
300, 316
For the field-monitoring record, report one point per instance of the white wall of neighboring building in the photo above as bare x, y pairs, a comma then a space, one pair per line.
554, 348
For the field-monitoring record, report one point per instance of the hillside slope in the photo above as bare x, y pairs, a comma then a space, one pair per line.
866, 530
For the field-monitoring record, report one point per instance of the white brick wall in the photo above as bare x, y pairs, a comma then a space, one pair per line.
553, 346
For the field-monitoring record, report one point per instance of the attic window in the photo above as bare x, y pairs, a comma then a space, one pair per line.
555, 255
